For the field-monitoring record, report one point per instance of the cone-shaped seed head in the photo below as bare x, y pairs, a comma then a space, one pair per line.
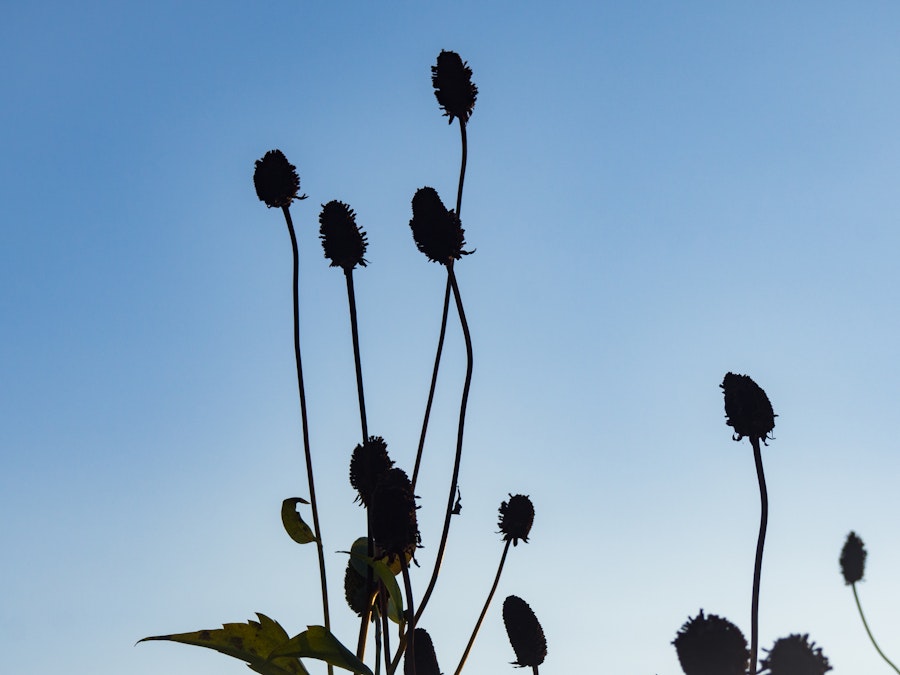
453, 87
368, 464
394, 526
795, 655
747, 407
436, 231
516, 518
853, 559
276, 180
525, 633
711, 645
425, 658
344, 242
355, 589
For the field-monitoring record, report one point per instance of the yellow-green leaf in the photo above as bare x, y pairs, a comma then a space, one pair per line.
384, 574
252, 642
317, 642
293, 523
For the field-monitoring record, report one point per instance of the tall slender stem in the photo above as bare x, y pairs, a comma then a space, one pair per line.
865, 623
351, 298
459, 439
304, 421
487, 604
434, 375
409, 649
760, 542
462, 165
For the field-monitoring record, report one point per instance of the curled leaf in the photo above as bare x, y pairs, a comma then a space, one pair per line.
317, 642
297, 530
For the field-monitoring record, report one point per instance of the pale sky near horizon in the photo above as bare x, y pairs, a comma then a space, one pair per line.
658, 194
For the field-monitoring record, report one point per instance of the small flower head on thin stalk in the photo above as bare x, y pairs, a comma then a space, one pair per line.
343, 240
394, 526
453, 87
853, 559
437, 232
525, 633
425, 658
747, 408
711, 645
516, 518
370, 461
795, 655
276, 180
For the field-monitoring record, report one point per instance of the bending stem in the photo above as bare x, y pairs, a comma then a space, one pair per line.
351, 298
757, 566
874, 644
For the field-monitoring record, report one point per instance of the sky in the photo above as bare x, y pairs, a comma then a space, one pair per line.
658, 193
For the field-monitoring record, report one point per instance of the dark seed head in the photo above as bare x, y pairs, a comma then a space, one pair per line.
344, 242
747, 407
394, 526
355, 589
516, 518
425, 658
711, 645
525, 633
795, 655
437, 232
368, 464
276, 180
853, 559
453, 87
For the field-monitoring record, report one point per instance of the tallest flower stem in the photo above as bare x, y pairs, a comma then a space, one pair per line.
760, 542
304, 421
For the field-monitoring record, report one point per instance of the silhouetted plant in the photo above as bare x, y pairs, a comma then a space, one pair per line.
750, 414
853, 565
386, 492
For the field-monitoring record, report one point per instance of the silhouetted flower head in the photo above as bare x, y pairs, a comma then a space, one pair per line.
853, 559
394, 526
437, 232
276, 180
525, 633
355, 589
516, 518
368, 464
795, 655
453, 87
747, 408
425, 658
711, 645
344, 242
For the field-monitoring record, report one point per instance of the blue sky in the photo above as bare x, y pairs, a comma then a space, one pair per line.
657, 193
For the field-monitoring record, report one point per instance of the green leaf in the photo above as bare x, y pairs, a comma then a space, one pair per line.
317, 642
293, 523
252, 642
385, 575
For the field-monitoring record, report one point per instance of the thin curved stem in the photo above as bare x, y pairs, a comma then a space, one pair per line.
409, 649
487, 604
459, 440
865, 623
351, 298
462, 165
760, 542
304, 421
434, 375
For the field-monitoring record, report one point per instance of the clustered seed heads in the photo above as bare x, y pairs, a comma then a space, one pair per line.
369, 462
425, 659
853, 559
437, 232
453, 87
342, 239
276, 180
747, 407
795, 655
524, 631
711, 645
394, 526
516, 518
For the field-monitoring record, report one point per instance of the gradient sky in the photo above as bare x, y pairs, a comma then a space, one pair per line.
658, 193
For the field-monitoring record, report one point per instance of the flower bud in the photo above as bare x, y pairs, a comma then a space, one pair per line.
711, 645
276, 180
853, 559
516, 518
342, 239
747, 407
394, 526
437, 232
368, 464
795, 655
525, 633
453, 87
